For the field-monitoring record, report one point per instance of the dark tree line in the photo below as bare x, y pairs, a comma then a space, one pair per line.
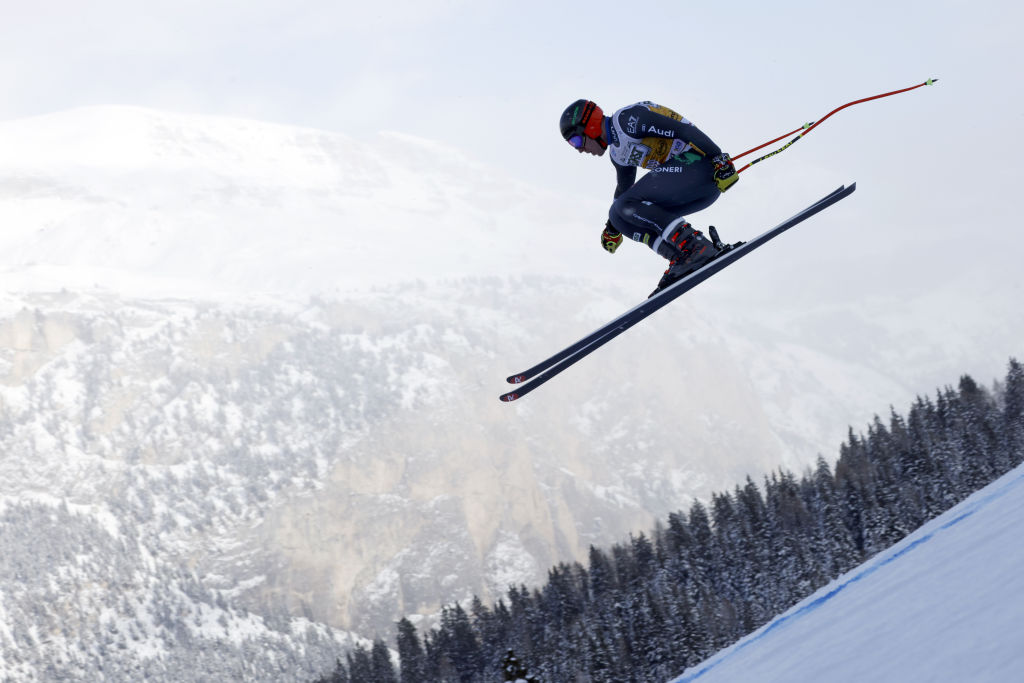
647, 609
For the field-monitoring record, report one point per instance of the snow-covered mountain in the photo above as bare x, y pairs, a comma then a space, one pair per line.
148, 203
944, 604
260, 366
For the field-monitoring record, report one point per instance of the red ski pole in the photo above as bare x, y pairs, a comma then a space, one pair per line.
808, 127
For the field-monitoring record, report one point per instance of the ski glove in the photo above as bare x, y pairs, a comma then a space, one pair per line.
725, 172
610, 238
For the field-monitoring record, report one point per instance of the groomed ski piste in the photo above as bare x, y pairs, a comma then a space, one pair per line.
944, 604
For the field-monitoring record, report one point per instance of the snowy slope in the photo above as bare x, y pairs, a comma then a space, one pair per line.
944, 604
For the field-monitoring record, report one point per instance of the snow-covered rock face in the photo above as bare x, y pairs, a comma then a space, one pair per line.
270, 358
350, 463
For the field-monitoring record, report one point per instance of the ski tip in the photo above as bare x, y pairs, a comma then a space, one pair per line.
509, 397
516, 379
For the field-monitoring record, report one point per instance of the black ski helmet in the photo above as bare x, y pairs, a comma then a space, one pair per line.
582, 117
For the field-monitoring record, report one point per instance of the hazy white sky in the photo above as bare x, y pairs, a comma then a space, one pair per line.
491, 78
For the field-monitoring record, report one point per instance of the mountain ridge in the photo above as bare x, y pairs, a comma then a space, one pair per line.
298, 409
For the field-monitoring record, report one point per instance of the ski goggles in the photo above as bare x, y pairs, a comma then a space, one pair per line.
579, 142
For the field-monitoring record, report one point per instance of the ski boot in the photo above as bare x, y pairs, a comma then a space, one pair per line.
687, 250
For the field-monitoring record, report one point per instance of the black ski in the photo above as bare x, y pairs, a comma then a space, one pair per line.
530, 379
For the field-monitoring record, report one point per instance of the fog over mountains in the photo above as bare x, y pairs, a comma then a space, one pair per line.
249, 379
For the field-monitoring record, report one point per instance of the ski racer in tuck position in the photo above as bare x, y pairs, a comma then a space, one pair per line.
687, 173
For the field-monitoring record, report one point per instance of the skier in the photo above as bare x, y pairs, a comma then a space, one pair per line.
688, 172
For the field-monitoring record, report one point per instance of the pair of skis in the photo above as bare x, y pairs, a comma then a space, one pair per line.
530, 379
